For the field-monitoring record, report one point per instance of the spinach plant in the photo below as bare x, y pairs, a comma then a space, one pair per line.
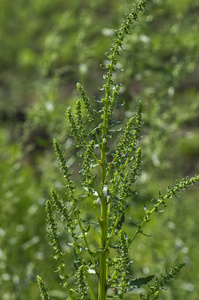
110, 164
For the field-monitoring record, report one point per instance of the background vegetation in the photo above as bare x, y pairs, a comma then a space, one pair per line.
46, 47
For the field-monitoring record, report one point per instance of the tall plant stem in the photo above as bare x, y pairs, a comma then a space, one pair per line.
104, 227
102, 289
103, 255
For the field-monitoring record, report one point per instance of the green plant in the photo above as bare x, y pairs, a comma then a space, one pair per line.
110, 164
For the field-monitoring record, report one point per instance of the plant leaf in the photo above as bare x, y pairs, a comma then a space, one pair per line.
140, 281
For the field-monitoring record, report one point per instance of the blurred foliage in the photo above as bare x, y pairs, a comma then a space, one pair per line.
46, 47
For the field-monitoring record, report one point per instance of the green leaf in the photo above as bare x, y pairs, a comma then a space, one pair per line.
96, 253
140, 281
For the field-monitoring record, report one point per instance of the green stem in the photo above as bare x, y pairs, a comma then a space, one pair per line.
115, 225
86, 274
102, 288
66, 283
103, 255
95, 158
94, 206
77, 249
104, 226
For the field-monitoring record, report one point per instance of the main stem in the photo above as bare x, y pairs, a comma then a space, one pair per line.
103, 224
103, 256
102, 289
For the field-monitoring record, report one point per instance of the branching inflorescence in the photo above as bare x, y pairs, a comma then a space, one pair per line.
160, 284
108, 174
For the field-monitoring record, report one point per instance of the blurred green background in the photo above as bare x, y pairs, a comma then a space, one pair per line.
45, 48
